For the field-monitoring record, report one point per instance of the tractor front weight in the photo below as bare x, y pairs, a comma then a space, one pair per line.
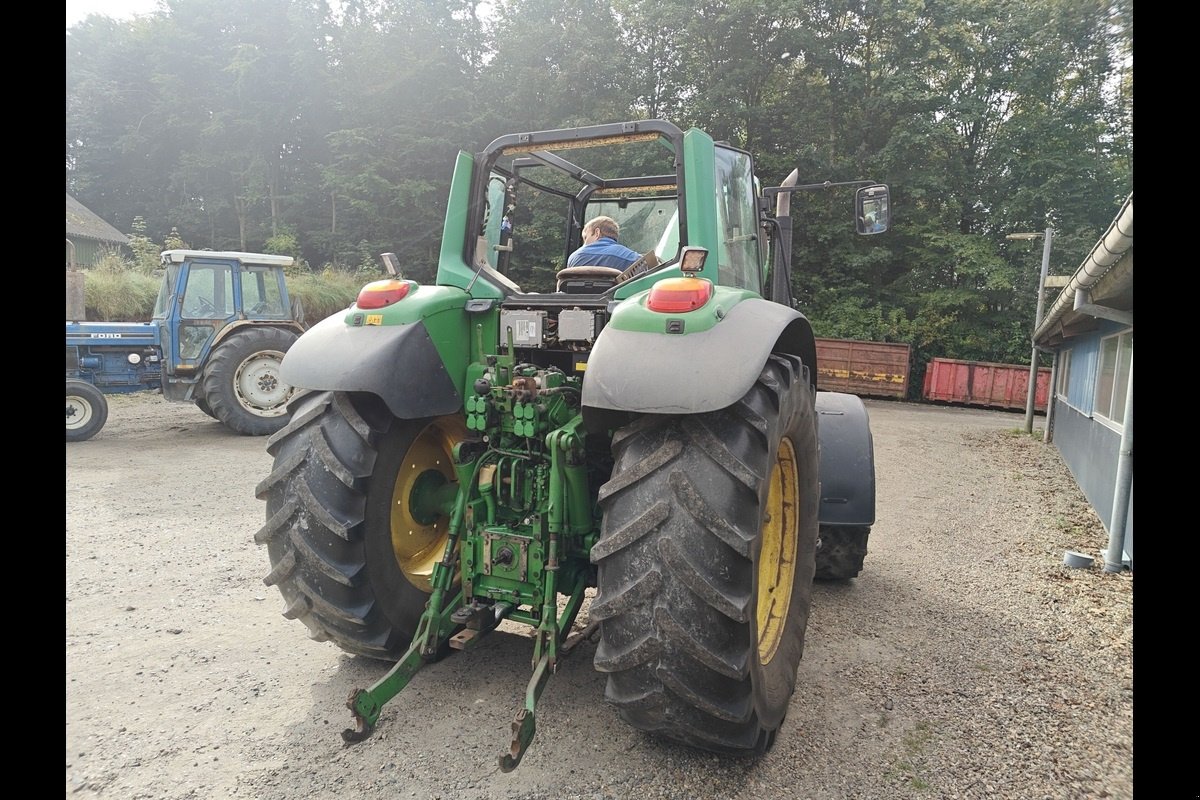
521, 526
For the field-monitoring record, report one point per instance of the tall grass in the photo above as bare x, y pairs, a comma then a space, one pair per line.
324, 293
119, 297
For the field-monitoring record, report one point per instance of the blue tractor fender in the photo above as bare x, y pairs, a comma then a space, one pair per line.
241, 325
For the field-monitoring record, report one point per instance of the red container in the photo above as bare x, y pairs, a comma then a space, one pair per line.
871, 369
980, 383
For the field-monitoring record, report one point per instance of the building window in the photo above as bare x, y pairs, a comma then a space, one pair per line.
1064, 372
1112, 379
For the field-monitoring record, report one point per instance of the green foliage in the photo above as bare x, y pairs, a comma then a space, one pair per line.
287, 244
113, 294
145, 251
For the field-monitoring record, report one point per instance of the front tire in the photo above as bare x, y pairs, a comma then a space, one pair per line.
87, 410
241, 385
705, 565
350, 531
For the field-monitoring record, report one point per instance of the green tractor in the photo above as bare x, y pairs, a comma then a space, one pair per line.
647, 443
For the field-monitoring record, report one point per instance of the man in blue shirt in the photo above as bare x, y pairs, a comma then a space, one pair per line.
601, 248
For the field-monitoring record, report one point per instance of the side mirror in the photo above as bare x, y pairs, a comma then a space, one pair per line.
872, 211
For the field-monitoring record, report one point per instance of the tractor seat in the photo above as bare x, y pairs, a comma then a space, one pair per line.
586, 280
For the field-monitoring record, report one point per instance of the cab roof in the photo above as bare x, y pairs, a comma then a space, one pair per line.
267, 259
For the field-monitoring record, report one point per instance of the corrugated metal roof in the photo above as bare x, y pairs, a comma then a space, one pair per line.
81, 222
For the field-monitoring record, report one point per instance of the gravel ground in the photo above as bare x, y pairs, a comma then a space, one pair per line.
965, 661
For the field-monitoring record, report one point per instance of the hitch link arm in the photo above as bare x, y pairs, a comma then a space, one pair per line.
432, 630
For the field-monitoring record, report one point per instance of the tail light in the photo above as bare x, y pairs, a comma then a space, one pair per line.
378, 294
676, 295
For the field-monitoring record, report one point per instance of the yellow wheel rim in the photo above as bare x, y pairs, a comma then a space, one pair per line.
417, 540
777, 560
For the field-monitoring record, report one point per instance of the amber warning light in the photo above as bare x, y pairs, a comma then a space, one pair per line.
378, 294
677, 295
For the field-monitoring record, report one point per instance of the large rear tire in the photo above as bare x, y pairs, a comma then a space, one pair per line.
705, 565
202, 404
241, 384
350, 532
87, 410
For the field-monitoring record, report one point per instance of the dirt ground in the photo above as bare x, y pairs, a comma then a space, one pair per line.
965, 662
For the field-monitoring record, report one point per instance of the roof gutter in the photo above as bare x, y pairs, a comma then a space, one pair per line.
1076, 295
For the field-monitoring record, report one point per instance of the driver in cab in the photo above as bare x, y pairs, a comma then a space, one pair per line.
601, 248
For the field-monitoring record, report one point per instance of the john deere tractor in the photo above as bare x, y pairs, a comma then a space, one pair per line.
524, 443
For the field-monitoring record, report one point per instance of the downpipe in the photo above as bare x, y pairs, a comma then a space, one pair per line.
1113, 559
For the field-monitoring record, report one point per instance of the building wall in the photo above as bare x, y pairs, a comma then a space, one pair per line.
1090, 448
89, 251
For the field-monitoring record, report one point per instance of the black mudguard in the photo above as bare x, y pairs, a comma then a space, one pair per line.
659, 373
847, 460
399, 363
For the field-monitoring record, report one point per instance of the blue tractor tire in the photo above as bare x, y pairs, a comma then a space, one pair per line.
87, 410
241, 385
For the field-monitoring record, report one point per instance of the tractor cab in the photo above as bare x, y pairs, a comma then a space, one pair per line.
532, 194
206, 294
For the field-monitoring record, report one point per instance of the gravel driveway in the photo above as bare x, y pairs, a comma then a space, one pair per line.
965, 662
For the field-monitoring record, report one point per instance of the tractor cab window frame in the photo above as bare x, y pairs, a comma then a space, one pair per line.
510, 240
739, 252
167, 291
262, 292
209, 291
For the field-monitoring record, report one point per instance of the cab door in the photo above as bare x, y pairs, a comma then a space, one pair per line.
205, 304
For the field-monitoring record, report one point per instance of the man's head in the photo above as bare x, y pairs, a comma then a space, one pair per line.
599, 227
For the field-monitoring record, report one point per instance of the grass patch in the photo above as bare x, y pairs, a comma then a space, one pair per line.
1036, 434
906, 769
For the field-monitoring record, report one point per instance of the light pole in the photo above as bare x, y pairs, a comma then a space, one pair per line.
1037, 320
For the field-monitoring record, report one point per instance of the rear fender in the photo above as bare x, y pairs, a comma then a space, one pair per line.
399, 363
240, 325
653, 372
847, 460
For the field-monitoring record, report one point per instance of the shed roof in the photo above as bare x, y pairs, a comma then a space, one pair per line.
1101, 288
83, 223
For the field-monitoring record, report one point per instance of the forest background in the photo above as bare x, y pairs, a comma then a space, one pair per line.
328, 131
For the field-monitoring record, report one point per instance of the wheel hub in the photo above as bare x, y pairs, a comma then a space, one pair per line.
420, 518
78, 413
258, 387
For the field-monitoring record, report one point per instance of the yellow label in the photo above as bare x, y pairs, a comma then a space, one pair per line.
580, 366
876, 377
374, 319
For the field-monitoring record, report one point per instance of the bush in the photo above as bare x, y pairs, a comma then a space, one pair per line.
111, 295
325, 293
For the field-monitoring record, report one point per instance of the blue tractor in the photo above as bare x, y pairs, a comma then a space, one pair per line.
221, 325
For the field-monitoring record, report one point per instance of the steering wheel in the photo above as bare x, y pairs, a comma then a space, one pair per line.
203, 308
